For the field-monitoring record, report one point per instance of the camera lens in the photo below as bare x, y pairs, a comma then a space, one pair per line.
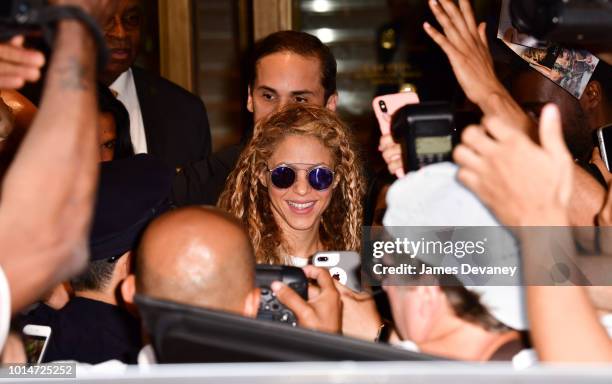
322, 258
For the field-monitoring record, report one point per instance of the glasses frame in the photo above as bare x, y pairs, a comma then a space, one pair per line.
311, 168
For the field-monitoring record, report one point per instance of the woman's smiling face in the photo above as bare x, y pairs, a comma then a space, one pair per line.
299, 207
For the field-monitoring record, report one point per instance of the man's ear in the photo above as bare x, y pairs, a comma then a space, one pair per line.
251, 303
250, 99
592, 96
126, 263
332, 102
128, 289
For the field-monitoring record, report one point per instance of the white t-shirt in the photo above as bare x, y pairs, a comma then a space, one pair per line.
125, 88
5, 308
300, 262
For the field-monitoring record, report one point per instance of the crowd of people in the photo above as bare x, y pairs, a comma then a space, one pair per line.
109, 189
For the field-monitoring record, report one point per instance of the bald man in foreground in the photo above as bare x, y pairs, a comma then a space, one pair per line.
198, 256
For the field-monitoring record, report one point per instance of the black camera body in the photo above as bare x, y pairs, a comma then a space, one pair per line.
20, 16
571, 22
426, 132
269, 307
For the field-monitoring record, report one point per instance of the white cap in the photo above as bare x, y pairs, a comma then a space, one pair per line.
432, 196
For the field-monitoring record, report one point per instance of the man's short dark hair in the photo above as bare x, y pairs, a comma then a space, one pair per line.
96, 277
302, 44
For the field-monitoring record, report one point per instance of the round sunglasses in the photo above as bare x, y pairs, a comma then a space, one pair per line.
319, 177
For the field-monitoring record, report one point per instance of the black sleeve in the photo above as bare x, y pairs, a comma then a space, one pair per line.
202, 182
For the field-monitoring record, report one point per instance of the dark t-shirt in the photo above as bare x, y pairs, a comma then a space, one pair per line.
88, 331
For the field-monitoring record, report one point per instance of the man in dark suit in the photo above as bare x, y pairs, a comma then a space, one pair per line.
165, 120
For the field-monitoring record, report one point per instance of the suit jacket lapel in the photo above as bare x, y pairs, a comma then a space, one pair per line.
146, 92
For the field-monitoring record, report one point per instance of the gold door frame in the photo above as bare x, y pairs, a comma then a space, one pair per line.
176, 42
271, 16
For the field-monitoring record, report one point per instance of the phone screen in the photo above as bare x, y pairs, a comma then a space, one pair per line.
34, 346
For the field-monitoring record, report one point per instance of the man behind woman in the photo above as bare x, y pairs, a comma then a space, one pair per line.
298, 186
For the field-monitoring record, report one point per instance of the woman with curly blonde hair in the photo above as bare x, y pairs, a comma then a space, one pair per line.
298, 186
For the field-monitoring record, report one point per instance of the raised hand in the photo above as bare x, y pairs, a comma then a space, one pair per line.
522, 183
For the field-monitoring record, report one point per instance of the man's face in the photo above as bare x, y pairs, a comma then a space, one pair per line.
284, 78
533, 91
122, 34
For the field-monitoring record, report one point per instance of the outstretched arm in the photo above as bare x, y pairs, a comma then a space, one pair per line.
48, 192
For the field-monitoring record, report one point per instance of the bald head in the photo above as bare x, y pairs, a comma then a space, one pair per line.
199, 256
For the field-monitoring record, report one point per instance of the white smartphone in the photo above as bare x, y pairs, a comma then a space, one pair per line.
344, 266
36, 338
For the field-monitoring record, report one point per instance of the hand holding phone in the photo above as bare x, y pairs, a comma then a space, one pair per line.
342, 266
384, 108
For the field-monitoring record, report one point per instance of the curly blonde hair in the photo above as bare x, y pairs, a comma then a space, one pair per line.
247, 198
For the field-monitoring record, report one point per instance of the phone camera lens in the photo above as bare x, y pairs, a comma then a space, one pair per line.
383, 106
322, 258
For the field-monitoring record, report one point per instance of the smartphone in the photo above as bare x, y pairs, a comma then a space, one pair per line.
386, 105
36, 338
604, 138
344, 266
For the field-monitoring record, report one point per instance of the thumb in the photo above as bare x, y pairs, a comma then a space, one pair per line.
551, 132
17, 41
291, 299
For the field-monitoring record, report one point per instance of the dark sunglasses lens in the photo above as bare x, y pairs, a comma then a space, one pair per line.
283, 177
321, 178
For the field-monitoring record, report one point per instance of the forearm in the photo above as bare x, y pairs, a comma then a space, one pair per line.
48, 193
588, 197
554, 309
565, 326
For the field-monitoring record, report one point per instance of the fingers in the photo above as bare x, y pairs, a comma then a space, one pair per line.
14, 53
291, 299
385, 142
17, 41
392, 154
313, 291
18, 65
456, 20
441, 40
11, 82
468, 15
470, 179
551, 133
467, 158
482, 33
499, 129
321, 275
475, 138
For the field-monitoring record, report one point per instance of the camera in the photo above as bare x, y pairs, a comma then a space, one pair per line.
571, 22
428, 132
269, 307
19, 16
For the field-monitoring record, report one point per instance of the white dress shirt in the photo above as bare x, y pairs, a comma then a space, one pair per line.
125, 90
5, 308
